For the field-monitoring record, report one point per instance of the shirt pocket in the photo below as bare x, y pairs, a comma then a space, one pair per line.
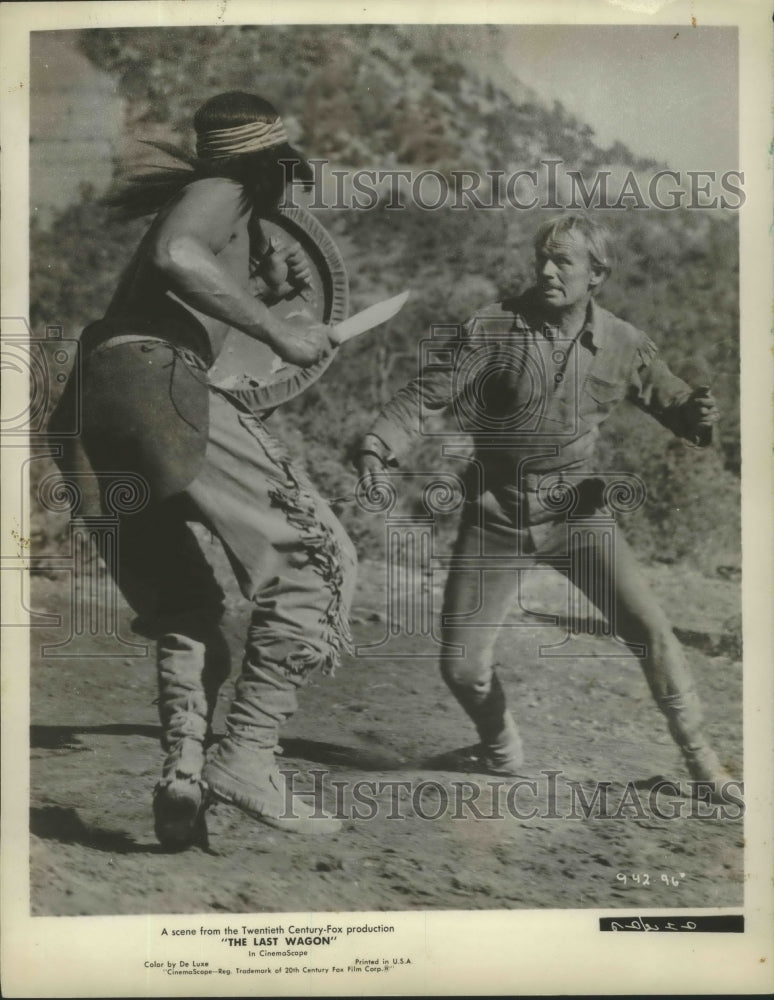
601, 395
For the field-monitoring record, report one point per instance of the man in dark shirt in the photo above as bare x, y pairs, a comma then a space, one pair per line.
531, 379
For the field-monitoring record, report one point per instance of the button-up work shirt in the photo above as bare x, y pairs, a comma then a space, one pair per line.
531, 398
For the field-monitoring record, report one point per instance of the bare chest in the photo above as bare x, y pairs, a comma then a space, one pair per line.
235, 255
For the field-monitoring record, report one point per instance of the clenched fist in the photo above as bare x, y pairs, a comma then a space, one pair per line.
300, 342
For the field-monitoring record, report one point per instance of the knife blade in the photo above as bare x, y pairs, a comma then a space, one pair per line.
368, 318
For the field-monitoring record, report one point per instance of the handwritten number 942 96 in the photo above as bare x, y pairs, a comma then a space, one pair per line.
644, 878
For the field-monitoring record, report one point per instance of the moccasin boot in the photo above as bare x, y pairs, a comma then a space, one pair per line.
178, 798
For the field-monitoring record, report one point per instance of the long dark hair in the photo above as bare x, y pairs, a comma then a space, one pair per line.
264, 174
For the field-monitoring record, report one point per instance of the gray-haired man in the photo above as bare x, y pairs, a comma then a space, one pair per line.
550, 364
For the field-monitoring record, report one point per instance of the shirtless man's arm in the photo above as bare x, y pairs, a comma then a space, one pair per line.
201, 247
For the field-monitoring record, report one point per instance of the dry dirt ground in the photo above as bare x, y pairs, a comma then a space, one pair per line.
96, 756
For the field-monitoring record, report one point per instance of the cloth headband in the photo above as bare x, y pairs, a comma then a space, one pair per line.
220, 143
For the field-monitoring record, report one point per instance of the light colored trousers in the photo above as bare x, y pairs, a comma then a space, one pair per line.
476, 596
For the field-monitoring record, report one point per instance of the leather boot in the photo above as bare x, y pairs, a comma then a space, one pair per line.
242, 768
684, 718
500, 749
184, 712
246, 776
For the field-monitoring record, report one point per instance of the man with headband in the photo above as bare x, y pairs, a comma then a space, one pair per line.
531, 379
148, 409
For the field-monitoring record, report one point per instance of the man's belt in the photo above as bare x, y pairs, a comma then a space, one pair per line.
169, 323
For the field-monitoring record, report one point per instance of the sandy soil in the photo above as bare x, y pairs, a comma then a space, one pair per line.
96, 756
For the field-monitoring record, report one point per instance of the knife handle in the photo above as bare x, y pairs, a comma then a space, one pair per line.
704, 435
335, 338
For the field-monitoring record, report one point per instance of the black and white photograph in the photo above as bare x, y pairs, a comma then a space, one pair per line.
387, 472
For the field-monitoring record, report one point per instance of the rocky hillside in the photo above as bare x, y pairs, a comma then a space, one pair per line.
441, 98
405, 94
